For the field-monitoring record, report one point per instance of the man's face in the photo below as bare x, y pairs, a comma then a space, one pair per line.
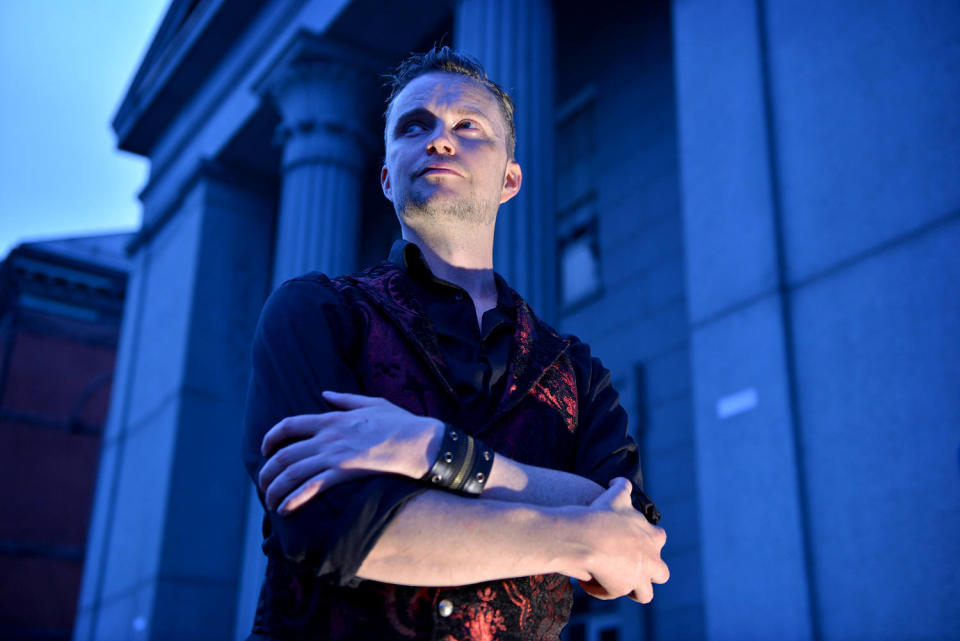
446, 153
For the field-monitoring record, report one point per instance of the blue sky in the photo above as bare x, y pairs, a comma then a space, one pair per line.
64, 67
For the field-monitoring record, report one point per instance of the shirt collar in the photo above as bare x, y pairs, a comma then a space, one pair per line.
409, 257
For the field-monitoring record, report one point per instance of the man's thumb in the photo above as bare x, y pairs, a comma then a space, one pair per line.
623, 490
611, 498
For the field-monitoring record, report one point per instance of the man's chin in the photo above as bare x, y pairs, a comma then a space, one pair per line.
444, 207
437, 192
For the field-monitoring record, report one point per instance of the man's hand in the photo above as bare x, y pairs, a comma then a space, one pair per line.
625, 548
613, 550
313, 452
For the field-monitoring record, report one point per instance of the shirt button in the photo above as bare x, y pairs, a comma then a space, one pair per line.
445, 608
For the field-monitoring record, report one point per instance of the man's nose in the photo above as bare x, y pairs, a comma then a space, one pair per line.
441, 142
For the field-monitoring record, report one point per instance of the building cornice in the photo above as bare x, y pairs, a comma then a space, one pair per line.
190, 42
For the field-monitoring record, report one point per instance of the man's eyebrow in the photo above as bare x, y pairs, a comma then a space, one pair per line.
416, 112
424, 112
471, 111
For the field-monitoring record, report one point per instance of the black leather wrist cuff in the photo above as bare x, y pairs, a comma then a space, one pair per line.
463, 464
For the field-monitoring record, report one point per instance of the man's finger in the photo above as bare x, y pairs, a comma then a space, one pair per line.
620, 484
291, 454
594, 589
643, 594
319, 483
609, 496
304, 493
295, 476
294, 427
623, 490
617, 481
660, 573
351, 401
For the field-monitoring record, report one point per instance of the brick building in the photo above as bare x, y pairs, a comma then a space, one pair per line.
60, 308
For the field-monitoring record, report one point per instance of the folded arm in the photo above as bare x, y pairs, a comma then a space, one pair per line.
368, 435
389, 526
311, 453
441, 539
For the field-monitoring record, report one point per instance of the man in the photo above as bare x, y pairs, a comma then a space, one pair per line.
434, 460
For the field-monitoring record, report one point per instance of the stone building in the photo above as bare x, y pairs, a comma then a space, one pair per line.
61, 302
750, 209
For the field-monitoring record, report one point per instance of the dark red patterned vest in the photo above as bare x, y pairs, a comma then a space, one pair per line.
534, 423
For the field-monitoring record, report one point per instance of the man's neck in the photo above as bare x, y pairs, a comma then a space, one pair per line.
464, 259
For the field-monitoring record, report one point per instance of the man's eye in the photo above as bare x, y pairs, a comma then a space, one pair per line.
467, 124
412, 127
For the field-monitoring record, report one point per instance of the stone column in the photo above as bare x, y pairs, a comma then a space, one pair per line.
323, 91
514, 39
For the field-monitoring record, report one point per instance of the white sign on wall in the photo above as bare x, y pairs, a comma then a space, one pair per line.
737, 403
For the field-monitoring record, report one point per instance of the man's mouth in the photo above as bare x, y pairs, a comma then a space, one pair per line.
439, 170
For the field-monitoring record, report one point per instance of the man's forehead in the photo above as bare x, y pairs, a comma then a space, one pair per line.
445, 90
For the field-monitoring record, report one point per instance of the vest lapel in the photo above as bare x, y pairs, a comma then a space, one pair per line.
389, 288
536, 347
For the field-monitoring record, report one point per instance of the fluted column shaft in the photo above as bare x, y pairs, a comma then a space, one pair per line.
324, 153
514, 39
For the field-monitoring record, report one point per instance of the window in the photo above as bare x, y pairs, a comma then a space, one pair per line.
579, 262
578, 249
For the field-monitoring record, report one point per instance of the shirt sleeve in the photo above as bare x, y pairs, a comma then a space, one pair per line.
302, 347
605, 449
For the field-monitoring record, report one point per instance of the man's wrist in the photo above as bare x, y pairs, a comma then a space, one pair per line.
572, 529
433, 436
462, 464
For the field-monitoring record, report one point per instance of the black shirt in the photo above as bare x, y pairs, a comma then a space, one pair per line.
476, 355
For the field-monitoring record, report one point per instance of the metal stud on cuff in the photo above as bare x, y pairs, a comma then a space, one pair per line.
479, 470
463, 464
450, 459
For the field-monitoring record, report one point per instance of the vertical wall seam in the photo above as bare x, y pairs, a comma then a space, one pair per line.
783, 288
120, 444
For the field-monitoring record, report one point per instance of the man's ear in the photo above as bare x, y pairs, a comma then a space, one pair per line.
385, 183
512, 179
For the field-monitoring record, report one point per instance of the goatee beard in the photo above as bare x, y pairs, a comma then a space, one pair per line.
464, 210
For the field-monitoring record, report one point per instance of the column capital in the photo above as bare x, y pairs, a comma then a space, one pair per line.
324, 90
